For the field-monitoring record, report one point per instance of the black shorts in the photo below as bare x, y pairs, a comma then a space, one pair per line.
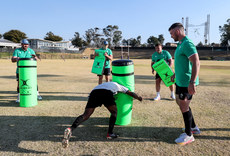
17, 76
183, 92
105, 72
157, 76
100, 96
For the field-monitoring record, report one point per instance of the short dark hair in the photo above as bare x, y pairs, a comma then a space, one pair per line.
157, 44
175, 25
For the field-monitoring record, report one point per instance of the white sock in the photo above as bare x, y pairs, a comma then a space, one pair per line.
172, 93
158, 94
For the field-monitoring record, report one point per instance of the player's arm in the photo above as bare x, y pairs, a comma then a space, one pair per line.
152, 63
34, 56
95, 54
14, 59
170, 62
195, 71
110, 57
134, 95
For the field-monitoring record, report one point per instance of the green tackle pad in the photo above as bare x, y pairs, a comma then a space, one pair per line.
164, 71
99, 62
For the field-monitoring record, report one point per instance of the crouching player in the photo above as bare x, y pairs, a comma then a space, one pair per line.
101, 94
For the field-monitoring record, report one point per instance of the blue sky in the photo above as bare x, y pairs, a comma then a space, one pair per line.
134, 17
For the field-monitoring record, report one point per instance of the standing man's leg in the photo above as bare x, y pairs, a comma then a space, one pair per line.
107, 74
38, 95
186, 137
100, 79
18, 98
113, 110
158, 87
68, 131
107, 78
172, 91
183, 99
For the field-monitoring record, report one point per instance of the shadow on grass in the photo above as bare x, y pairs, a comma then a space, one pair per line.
63, 98
220, 83
62, 93
17, 129
144, 79
165, 99
9, 101
39, 75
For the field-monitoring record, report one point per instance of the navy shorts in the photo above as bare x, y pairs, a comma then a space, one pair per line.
100, 96
106, 72
157, 76
183, 92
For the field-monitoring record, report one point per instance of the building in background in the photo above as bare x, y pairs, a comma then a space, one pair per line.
51, 45
9, 44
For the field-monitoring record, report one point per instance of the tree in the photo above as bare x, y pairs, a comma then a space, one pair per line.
125, 42
77, 40
117, 38
14, 35
200, 44
138, 41
0, 36
92, 35
133, 42
111, 31
152, 41
89, 35
161, 38
51, 37
225, 33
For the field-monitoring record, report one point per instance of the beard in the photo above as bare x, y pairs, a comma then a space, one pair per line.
176, 38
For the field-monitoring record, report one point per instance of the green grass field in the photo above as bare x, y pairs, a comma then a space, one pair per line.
65, 85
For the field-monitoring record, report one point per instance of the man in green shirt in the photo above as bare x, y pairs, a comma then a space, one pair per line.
187, 67
157, 56
109, 57
23, 52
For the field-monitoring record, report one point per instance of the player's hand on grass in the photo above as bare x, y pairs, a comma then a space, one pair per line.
139, 98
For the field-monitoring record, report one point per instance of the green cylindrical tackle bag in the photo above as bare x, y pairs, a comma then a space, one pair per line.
27, 82
123, 73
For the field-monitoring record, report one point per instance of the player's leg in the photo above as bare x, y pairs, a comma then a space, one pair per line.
38, 95
158, 87
18, 98
183, 100
113, 110
85, 116
68, 131
100, 78
172, 92
107, 78
107, 74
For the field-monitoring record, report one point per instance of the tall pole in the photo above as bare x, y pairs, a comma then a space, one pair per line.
208, 28
186, 26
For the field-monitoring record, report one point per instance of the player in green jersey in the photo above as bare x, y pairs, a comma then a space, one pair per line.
109, 57
157, 56
23, 52
187, 67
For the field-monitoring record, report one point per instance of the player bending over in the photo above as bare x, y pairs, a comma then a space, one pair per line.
101, 94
